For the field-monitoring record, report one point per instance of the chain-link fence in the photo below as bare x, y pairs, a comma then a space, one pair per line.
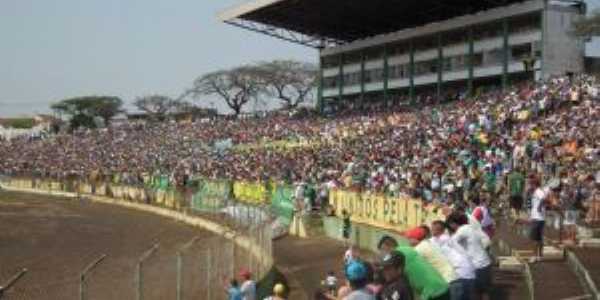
197, 269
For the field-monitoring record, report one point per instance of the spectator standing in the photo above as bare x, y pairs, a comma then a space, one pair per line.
516, 185
248, 285
424, 279
358, 277
537, 217
469, 239
232, 289
396, 286
463, 287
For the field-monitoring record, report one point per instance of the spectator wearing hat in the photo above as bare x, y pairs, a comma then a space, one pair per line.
357, 275
248, 285
396, 286
424, 279
417, 238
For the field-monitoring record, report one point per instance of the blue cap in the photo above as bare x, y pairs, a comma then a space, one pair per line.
356, 270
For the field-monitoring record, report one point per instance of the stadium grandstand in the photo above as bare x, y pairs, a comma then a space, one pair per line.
392, 51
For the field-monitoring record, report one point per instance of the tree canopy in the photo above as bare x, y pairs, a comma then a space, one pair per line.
83, 110
157, 106
236, 87
291, 82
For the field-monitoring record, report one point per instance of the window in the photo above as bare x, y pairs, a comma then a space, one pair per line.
398, 71
330, 82
520, 52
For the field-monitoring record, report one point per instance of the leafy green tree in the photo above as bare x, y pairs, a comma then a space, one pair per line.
83, 110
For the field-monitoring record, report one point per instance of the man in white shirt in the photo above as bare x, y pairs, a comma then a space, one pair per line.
537, 217
473, 242
463, 287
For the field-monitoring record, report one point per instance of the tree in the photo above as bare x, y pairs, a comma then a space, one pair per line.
83, 110
588, 26
289, 81
157, 106
236, 86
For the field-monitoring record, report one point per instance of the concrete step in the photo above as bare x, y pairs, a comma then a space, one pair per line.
552, 253
510, 263
590, 243
522, 254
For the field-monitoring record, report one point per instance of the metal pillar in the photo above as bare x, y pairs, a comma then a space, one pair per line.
320, 87
471, 67
505, 50
362, 78
440, 66
411, 70
543, 41
341, 78
385, 75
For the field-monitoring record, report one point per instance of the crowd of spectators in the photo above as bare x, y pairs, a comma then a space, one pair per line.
475, 146
533, 146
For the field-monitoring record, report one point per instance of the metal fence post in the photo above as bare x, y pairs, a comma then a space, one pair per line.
5, 287
138, 270
179, 266
209, 273
82, 277
183, 248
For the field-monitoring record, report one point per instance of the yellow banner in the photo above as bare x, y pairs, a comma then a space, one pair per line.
397, 213
254, 193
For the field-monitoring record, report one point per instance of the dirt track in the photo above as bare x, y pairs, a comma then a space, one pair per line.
56, 238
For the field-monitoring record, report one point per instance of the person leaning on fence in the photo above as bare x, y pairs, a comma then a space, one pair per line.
346, 227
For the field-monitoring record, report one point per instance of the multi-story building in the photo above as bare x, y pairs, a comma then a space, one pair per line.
391, 51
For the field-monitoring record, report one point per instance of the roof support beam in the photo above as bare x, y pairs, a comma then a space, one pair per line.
284, 34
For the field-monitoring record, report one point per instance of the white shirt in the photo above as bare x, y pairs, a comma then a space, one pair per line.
463, 267
473, 242
248, 289
538, 210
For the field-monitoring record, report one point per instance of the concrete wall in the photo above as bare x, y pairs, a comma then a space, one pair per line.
364, 236
562, 51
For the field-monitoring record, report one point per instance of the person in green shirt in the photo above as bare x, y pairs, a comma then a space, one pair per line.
424, 279
516, 185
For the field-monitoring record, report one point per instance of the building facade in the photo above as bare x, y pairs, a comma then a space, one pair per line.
528, 40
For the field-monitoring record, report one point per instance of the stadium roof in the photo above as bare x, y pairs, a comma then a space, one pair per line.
323, 23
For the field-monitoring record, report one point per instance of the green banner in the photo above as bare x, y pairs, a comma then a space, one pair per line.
282, 204
211, 195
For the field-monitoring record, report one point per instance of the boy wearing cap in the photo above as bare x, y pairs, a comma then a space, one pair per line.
357, 275
396, 286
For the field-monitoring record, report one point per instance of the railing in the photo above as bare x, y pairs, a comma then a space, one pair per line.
195, 271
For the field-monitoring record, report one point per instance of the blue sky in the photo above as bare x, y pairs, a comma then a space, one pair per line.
51, 50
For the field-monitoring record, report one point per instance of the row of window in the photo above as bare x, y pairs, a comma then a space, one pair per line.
494, 29
427, 67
